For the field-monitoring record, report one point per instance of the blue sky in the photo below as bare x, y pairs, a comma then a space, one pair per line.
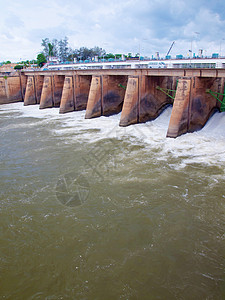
117, 26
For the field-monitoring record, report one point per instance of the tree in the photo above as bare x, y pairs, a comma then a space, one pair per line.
18, 67
55, 47
97, 51
71, 54
33, 61
109, 55
44, 44
50, 50
49, 47
63, 49
41, 59
64, 52
84, 53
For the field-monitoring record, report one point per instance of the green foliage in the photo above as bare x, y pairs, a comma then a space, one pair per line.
50, 49
44, 44
7, 62
61, 49
85, 53
109, 55
41, 59
18, 67
55, 48
33, 62
5, 77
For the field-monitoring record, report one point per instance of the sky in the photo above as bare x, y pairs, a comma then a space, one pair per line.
145, 26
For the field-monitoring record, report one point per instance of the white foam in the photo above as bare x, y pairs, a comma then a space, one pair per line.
206, 146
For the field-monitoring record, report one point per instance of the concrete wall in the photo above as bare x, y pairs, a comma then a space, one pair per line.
152, 99
75, 93
10, 89
143, 101
202, 104
51, 91
106, 95
23, 82
192, 105
82, 88
57, 89
33, 90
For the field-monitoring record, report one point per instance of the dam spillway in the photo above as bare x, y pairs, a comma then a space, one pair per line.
139, 94
155, 207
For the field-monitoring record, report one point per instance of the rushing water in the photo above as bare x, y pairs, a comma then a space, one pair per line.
89, 210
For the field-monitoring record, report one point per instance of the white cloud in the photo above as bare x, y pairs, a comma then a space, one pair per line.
118, 26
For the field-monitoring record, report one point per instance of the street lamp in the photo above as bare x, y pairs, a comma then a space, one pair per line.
197, 34
190, 51
140, 43
220, 47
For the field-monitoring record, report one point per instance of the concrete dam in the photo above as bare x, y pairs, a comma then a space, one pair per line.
140, 95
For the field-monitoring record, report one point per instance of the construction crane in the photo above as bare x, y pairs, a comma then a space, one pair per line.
170, 48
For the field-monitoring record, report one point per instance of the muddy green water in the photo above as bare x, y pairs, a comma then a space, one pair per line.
89, 210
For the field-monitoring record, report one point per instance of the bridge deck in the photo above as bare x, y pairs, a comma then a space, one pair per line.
148, 72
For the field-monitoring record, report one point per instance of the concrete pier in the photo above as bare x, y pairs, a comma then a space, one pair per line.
47, 93
130, 110
94, 105
67, 101
180, 112
30, 95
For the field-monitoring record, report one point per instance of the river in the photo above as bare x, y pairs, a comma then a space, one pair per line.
90, 210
